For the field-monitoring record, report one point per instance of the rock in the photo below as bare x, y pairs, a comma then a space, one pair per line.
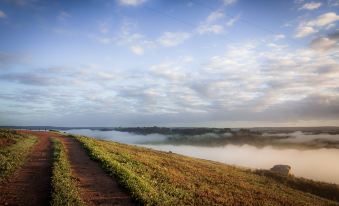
281, 169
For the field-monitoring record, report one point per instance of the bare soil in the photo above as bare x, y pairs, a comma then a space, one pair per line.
96, 187
30, 185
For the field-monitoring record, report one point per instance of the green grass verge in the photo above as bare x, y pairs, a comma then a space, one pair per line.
15, 152
64, 189
160, 178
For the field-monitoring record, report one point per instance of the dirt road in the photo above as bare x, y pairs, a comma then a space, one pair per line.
30, 185
96, 187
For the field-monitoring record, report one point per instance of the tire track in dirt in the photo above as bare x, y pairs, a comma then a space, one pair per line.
31, 184
96, 187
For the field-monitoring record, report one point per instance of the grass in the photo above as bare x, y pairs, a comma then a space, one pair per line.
14, 150
160, 178
326, 190
64, 189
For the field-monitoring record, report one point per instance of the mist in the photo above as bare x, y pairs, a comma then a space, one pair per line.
302, 137
319, 164
314, 163
123, 137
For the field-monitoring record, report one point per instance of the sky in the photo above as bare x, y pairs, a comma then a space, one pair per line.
216, 63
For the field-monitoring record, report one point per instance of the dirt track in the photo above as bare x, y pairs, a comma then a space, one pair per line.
30, 185
96, 187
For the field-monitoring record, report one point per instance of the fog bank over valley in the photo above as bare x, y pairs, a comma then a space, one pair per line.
309, 153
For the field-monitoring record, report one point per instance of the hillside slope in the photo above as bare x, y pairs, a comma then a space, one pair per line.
161, 178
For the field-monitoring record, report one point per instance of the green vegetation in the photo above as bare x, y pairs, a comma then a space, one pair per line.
172, 131
322, 189
14, 149
160, 178
64, 190
211, 137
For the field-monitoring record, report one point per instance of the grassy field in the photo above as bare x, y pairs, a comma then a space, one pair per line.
64, 190
14, 149
322, 189
160, 178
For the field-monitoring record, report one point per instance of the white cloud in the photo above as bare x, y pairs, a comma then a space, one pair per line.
210, 24
126, 35
214, 16
330, 26
313, 26
138, 50
305, 31
324, 19
323, 44
210, 28
298, 1
171, 39
104, 40
327, 43
279, 36
243, 83
137, 42
233, 20
2, 14
131, 2
169, 71
229, 2
311, 5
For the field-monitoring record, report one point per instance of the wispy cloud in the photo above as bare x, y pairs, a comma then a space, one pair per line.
214, 23
123, 65
63, 15
210, 28
28, 79
8, 60
326, 43
241, 84
233, 20
138, 42
306, 28
170, 39
210, 24
131, 2
311, 6
214, 16
2, 15
229, 2
138, 50
303, 31
279, 36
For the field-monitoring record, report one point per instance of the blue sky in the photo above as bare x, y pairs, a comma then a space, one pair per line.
223, 63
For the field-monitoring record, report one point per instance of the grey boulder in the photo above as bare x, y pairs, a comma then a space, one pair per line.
281, 169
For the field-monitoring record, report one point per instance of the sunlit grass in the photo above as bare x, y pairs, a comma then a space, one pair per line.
64, 189
322, 189
15, 152
161, 178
